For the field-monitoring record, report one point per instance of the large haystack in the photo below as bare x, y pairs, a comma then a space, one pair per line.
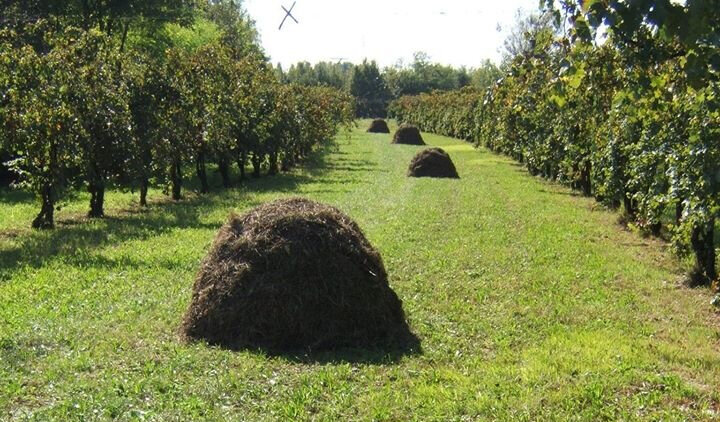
432, 162
294, 274
409, 135
378, 126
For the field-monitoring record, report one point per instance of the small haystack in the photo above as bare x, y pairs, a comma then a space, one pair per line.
432, 162
294, 274
378, 126
409, 135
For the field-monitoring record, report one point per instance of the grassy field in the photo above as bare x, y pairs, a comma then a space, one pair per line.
530, 303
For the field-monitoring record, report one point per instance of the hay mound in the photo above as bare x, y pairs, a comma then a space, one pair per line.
294, 274
432, 162
378, 126
409, 135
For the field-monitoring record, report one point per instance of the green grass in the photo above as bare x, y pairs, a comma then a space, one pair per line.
531, 303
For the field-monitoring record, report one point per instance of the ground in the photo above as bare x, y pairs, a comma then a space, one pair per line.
530, 302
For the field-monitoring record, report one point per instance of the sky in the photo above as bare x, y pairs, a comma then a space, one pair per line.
451, 32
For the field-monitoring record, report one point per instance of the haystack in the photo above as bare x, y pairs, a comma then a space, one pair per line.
294, 274
432, 162
378, 126
409, 135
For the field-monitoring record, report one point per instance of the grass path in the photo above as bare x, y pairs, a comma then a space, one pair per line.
530, 302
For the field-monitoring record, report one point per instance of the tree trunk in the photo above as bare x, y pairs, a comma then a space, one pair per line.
202, 172
585, 179
273, 164
629, 207
144, 183
703, 244
45, 220
286, 164
126, 28
241, 164
256, 163
97, 198
656, 228
176, 180
575, 182
548, 171
678, 212
224, 170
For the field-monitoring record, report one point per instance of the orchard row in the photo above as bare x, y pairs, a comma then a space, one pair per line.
624, 122
81, 113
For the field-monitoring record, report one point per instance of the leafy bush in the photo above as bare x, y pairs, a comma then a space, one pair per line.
77, 111
624, 122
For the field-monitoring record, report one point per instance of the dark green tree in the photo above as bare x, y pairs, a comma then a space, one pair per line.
370, 90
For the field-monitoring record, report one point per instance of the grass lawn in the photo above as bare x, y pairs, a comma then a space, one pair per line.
530, 302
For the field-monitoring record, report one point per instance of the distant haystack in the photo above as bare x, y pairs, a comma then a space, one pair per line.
432, 162
378, 126
408, 135
294, 274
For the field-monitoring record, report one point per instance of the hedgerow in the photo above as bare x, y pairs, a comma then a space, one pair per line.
628, 122
76, 112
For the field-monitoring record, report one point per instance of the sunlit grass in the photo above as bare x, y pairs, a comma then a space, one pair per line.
530, 302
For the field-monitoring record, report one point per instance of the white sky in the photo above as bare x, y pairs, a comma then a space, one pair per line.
454, 32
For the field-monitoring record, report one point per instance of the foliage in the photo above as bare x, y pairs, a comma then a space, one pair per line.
79, 111
238, 31
374, 88
423, 76
370, 90
517, 42
621, 122
336, 75
485, 75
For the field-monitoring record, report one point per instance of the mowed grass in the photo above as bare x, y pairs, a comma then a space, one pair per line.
531, 303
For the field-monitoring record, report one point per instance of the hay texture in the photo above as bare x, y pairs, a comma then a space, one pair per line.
294, 274
378, 126
408, 135
432, 162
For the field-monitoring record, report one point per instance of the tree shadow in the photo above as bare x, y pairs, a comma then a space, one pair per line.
378, 356
407, 345
560, 192
346, 165
15, 196
75, 235
282, 182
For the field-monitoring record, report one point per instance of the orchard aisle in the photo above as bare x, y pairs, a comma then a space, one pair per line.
530, 303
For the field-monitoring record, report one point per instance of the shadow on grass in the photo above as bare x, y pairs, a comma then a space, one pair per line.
350, 355
561, 192
408, 345
14, 196
76, 237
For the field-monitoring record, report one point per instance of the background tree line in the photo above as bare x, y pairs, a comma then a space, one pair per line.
104, 93
374, 88
633, 121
